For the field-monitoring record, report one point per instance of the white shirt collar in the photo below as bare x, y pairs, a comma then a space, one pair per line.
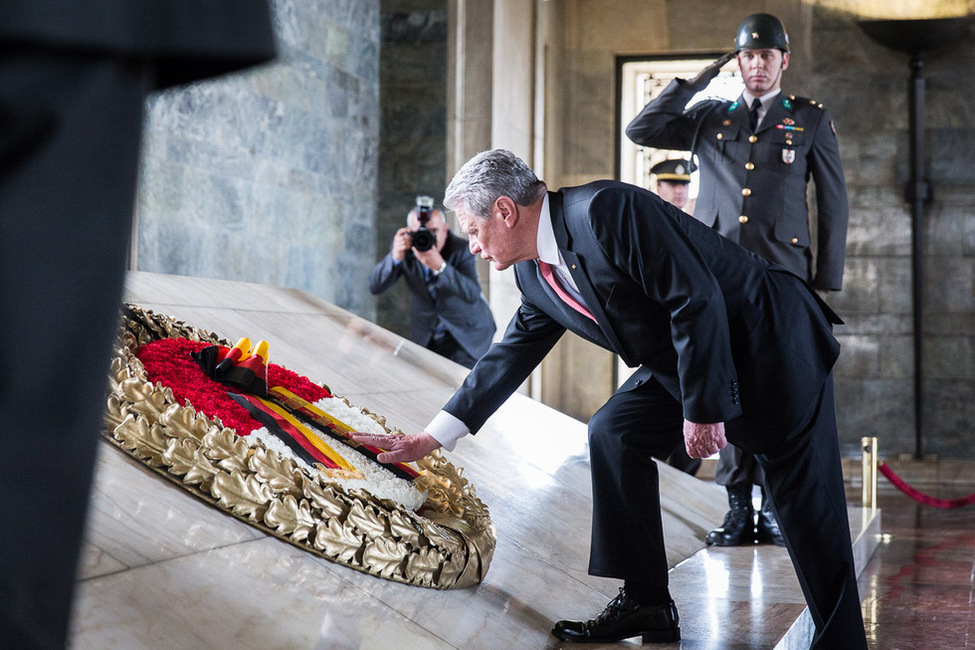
766, 98
548, 250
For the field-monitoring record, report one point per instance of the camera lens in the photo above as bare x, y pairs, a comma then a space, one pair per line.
423, 239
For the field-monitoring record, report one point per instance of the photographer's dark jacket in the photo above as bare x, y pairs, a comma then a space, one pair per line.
454, 296
753, 184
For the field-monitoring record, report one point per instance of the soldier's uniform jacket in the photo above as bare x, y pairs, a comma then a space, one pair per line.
753, 184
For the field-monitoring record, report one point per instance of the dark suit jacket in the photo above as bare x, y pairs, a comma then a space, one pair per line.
753, 185
457, 296
733, 338
186, 39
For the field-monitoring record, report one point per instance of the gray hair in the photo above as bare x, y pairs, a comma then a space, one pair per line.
488, 176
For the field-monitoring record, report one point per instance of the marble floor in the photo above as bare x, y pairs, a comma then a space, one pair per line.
918, 591
165, 570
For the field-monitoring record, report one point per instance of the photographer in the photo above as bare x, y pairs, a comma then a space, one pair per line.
449, 313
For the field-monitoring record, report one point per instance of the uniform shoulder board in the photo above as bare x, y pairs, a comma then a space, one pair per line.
806, 100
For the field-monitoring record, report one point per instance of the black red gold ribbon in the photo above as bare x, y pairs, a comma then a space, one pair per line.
310, 414
291, 432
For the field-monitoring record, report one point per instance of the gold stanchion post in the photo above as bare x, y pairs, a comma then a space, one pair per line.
869, 473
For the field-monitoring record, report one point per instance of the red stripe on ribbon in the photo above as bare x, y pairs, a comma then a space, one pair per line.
289, 429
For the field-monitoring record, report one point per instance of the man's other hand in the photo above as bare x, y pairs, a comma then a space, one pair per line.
703, 440
398, 449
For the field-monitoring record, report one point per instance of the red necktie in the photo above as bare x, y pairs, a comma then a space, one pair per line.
549, 276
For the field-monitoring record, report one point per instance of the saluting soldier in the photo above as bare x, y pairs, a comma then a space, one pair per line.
756, 155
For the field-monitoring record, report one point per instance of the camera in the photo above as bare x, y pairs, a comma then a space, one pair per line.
423, 238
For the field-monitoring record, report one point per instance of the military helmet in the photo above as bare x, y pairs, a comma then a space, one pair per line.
760, 32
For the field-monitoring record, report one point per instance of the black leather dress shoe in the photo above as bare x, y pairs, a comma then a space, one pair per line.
624, 618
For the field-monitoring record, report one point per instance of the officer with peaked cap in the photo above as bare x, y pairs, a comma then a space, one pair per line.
756, 155
673, 182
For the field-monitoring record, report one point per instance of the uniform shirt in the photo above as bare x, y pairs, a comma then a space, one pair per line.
766, 100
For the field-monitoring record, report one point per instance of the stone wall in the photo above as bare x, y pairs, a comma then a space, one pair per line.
413, 129
866, 86
269, 176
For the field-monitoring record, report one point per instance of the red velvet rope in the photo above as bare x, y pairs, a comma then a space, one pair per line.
919, 496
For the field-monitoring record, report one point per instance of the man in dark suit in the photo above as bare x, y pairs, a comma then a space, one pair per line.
757, 155
73, 83
448, 311
728, 347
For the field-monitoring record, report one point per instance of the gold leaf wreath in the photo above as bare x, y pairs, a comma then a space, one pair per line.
447, 544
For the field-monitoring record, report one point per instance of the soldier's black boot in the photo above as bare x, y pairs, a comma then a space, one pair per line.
739, 524
767, 530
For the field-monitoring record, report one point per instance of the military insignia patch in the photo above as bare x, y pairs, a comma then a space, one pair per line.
788, 121
788, 156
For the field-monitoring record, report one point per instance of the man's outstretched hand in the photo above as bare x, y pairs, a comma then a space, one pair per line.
399, 449
703, 440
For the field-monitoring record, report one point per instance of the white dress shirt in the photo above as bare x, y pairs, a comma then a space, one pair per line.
766, 103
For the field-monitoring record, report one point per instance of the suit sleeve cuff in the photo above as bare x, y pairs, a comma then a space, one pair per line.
447, 430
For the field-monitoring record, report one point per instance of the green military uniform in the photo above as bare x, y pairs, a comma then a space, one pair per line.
753, 184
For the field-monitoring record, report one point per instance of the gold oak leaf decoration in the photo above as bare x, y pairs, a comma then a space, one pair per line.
385, 556
278, 472
425, 565
367, 520
326, 499
291, 517
244, 495
338, 541
447, 544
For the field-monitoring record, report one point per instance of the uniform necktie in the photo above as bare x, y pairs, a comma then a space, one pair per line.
753, 113
553, 282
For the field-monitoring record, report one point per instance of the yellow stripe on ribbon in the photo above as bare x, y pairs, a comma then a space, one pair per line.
300, 402
319, 444
292, 401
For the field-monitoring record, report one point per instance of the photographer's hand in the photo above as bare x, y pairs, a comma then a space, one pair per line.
432, 259
402, 241
701, 80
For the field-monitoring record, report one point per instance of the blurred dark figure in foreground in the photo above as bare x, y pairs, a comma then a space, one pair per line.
74, 77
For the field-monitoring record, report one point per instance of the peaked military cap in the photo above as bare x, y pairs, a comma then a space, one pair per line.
675, 170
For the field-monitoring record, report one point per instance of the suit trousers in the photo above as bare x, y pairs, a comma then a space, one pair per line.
70, 129
803, 476
627, 532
